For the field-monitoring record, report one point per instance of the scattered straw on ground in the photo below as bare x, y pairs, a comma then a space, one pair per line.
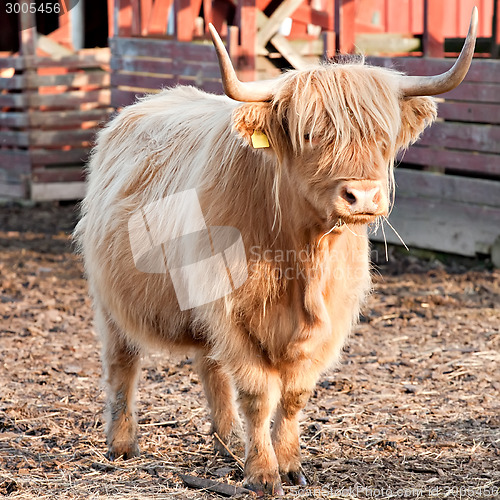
412, 412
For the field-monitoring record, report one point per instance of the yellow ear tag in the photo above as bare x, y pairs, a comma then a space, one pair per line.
259, 140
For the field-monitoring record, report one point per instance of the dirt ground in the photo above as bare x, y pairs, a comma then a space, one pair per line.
412, 412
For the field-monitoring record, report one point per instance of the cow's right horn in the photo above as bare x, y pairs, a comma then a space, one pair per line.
439, 84
239, 91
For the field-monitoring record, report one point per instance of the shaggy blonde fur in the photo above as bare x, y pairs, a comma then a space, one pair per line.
268, 341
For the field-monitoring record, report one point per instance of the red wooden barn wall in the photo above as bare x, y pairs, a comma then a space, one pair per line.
407, 16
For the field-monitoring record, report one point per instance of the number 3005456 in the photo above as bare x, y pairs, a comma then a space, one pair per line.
32, 7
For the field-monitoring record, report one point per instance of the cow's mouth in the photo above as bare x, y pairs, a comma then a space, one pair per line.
358, 219
362, 218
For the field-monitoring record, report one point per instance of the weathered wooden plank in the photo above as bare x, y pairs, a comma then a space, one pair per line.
281, 44
10, 190
167, 49
461, 161
69, 99
13, 101
120, 98
78, 138
147, 47
14, 138
14, 118
428, 185
59, 156
87, 58
15, 160
143, 82
309, 48
82, 59
476, 92
20, 82
213, 87
270, 26
480, 71
165, 66
70, 118
467, 136
286, 50
149, 83
59, 174
16, 62
459, 228
52, 47
16, 82
141, 65
81, 79
386, 43
12, 176
47, 191
476, 112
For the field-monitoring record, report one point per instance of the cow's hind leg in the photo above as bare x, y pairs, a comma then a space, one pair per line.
221, 398
121, 363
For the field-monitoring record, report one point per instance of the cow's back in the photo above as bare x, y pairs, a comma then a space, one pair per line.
157, 147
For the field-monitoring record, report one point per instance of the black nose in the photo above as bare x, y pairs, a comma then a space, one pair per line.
348, 196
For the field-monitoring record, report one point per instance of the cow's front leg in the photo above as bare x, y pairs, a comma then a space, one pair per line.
286, 435
258, 396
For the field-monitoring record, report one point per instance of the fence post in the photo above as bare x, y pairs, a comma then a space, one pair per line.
345, 17
495, 31
248, 39
433, 39
184, 21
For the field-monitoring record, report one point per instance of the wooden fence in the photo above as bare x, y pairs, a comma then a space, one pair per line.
448, 184
146, 65
50, 108
448, 194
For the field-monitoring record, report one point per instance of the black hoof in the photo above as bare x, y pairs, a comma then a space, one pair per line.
126, 452
294, 478
266, 488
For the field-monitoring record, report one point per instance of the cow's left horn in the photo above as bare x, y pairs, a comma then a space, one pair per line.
239, 91
439, 84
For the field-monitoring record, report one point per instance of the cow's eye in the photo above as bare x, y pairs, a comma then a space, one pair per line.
307, 136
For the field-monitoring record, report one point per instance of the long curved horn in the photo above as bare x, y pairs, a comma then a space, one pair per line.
439, 84
239, 91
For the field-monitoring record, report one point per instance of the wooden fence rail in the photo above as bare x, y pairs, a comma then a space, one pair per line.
448, 184
50, 109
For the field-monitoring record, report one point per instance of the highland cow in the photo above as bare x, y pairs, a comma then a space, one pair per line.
299, 166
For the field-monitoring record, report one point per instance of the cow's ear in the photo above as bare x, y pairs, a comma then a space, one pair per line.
417, 113
253, 117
